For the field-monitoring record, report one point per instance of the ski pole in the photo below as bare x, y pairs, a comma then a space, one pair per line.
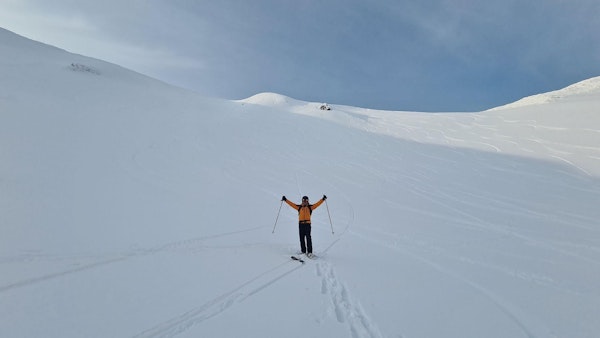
276, 219
331, 223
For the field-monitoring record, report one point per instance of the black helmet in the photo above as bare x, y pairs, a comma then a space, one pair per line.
305, 198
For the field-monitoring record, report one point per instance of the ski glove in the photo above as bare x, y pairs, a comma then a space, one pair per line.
324, 197
283, 198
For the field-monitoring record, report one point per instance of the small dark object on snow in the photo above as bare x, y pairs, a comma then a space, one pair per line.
297, 259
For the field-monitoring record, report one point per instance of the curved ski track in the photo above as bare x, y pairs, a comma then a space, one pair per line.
217, 305
96, 260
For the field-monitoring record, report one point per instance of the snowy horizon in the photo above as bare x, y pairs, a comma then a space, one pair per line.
132, 208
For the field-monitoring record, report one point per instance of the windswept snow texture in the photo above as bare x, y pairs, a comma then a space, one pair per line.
129, 208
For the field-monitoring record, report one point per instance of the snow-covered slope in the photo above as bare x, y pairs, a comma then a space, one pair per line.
588, 90
130, 208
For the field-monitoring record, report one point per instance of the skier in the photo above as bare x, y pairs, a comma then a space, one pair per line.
304, 211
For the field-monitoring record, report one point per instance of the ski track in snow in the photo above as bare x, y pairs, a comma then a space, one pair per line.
529, 326
47, 277
98, 260
441, 198
215, 306
347, 310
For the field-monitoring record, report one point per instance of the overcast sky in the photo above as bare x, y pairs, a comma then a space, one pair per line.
422, 55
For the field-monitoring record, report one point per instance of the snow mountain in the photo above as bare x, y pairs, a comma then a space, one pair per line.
132, 208
581, 90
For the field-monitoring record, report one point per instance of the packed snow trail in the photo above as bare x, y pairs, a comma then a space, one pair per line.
347, 309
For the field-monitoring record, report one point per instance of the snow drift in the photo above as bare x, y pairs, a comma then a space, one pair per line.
130, 208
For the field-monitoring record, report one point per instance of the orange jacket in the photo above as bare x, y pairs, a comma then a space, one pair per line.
304, 212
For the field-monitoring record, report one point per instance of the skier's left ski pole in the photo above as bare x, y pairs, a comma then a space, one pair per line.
331, 223
276, 219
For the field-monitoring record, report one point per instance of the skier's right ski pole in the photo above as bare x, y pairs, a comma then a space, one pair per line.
276, 219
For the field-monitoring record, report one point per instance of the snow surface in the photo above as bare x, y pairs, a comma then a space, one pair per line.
130, 208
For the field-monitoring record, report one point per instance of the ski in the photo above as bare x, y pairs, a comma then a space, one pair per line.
298, 259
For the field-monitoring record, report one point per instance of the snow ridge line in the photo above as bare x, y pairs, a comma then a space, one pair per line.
346, 308
214, 307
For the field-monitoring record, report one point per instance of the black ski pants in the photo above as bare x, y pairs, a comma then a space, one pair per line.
305, 239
